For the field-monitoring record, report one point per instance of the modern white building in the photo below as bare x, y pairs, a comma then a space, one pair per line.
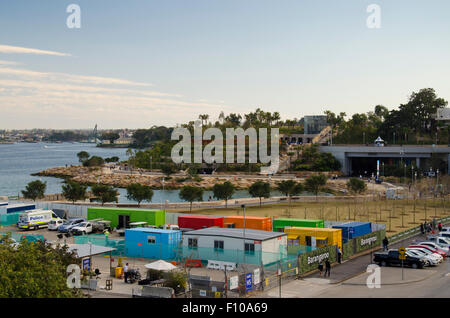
235, 245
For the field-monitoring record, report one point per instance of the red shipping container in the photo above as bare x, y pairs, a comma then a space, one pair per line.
198, 222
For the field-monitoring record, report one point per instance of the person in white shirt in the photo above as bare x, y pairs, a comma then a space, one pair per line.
125, 272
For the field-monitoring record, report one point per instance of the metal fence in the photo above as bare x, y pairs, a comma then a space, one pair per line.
9, 219
71, 209
413, 232
102, 240
18, 237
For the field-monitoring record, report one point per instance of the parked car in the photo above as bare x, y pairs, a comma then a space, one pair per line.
54, 224
436, 256
426, 261
69, 224
445, 234
82, 228
441, 241
430, 261
391, 257
445, 229
432, 249
434, 245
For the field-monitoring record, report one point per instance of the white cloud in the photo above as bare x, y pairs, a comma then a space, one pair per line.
8, 63
97, 80
69, 99
22, 50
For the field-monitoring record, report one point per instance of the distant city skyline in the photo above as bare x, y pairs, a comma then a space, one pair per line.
136, 64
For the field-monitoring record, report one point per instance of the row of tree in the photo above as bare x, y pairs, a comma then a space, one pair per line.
413, 122
74, 191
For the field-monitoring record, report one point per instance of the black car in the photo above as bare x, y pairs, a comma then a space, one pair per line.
391, 258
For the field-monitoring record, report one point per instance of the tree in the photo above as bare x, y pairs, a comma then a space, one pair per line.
94, 161
74, 191
356, 185
35, 270
259, 189
290, 188
34, 190
224, 191
203, 117
176, 280
139, 193
234, 119
315, 183
191, 194
82, 156
112, 159
105, 193
168, 169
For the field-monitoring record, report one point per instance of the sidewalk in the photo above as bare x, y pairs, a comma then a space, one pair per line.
354, 267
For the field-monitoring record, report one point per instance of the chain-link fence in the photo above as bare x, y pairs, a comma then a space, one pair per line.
9, 219
102, 240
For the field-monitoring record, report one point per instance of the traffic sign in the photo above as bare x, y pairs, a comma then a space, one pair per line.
402, 252
248, 282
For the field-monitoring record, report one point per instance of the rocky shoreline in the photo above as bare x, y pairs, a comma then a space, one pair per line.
122, 179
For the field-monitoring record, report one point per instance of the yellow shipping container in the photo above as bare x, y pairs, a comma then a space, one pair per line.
323, 236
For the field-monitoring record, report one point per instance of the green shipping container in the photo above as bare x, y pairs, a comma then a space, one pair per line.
120, 216
280, 223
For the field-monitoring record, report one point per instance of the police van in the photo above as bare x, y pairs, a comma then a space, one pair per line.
35, 219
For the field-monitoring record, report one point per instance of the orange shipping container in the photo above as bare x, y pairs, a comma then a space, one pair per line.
251, 222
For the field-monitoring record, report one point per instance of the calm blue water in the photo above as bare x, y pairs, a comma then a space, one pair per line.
19, 160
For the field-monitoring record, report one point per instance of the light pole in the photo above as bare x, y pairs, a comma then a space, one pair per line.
243, 214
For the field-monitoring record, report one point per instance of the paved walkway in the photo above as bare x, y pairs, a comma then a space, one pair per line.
353, 267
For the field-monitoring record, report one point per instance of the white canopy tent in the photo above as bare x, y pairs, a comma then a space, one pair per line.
160, 266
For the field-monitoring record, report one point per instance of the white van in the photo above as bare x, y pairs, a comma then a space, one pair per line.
54, 224
35, 219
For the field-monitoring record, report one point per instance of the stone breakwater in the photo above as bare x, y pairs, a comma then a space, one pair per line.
122, 180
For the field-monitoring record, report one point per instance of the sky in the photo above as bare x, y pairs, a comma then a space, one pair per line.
139, 63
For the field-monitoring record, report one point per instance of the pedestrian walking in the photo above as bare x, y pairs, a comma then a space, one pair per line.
422, 230
339, 255
320, 268
327, 268
125, 272
440, 227
385, 244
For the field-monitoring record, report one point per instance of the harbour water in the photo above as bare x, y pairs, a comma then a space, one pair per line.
18, 161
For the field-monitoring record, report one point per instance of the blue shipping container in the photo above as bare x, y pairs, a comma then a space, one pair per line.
354, 229
152, 243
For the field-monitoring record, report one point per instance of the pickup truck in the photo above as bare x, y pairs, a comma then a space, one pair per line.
391, 257
82, 228
92, 226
